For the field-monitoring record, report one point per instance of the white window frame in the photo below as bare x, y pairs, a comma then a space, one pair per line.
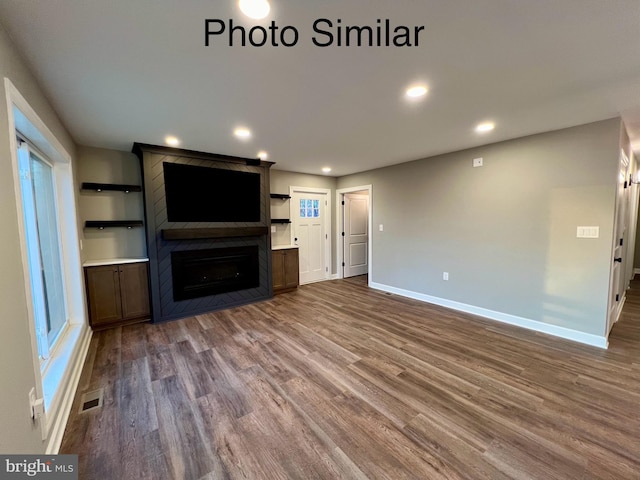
45, 345
56, 378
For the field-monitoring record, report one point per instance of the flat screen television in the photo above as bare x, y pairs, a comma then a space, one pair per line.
203, 194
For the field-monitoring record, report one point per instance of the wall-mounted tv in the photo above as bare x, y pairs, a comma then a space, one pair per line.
203, 194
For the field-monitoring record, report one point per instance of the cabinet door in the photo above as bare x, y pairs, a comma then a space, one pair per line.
277, 258
291, 268
103, 288
134, 288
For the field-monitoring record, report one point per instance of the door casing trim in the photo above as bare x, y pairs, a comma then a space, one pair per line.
339, 226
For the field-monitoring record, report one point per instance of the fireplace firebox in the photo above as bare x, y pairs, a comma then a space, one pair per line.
200, 273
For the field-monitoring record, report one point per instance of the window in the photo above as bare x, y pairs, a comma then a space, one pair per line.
52, 269
309, 208
39, 206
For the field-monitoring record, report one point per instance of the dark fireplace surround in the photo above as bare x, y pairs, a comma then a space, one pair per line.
201, 267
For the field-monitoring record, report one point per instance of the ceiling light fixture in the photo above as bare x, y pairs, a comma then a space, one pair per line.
326, 169
257, 9
242, 133
262, 155
417, 91
172, 141
485, 127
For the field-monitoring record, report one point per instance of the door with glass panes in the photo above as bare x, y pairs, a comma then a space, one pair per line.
309, 210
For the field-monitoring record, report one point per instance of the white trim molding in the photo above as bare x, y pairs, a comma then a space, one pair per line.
618, 313
562, 332
66, 393
339, 223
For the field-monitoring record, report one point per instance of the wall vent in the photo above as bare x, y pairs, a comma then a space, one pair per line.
91, 400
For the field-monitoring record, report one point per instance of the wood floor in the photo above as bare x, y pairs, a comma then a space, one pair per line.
340, 381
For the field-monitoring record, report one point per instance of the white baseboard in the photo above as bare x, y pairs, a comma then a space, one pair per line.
562, 332
336, 276
59, 423
636, 271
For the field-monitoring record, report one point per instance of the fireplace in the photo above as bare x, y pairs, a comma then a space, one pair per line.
200, 273
208, 255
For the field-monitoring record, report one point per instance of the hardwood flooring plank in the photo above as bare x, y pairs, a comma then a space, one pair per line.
525, 460
132, 348
463, 460
181, 432
161, 361
136, 403
192, 369
373, 395
226, 384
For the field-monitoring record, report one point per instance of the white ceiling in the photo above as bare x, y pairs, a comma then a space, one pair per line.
120, 71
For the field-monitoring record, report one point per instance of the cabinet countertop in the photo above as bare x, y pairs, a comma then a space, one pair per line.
283, 247
113, 261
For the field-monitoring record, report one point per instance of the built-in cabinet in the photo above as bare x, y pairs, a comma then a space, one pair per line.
118, 294
285, 270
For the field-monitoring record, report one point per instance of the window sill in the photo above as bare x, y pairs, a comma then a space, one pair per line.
60, 380
58, 365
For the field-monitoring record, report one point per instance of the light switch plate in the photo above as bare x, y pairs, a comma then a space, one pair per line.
381, 228
588, 232
273, 229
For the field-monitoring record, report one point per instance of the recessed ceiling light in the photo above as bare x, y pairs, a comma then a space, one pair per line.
242, 133
262, 155
172, 141
326, 169
417, 91
485, 127
257, 9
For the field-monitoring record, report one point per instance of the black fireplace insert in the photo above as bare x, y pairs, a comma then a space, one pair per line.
200, 273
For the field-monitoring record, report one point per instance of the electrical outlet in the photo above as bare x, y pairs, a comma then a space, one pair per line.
477, 162
445, 276
381, 227
273, 229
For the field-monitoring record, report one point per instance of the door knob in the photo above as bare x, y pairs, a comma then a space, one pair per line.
619, 259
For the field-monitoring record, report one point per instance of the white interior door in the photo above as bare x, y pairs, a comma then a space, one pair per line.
356, 234
309, 210
618, 284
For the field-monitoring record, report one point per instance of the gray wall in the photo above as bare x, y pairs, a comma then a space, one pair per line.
110, 166
19, 434
280, 182
505, 232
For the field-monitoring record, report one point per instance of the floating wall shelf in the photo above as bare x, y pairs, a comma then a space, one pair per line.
113, 187
280, 220
281, 196
102, 224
